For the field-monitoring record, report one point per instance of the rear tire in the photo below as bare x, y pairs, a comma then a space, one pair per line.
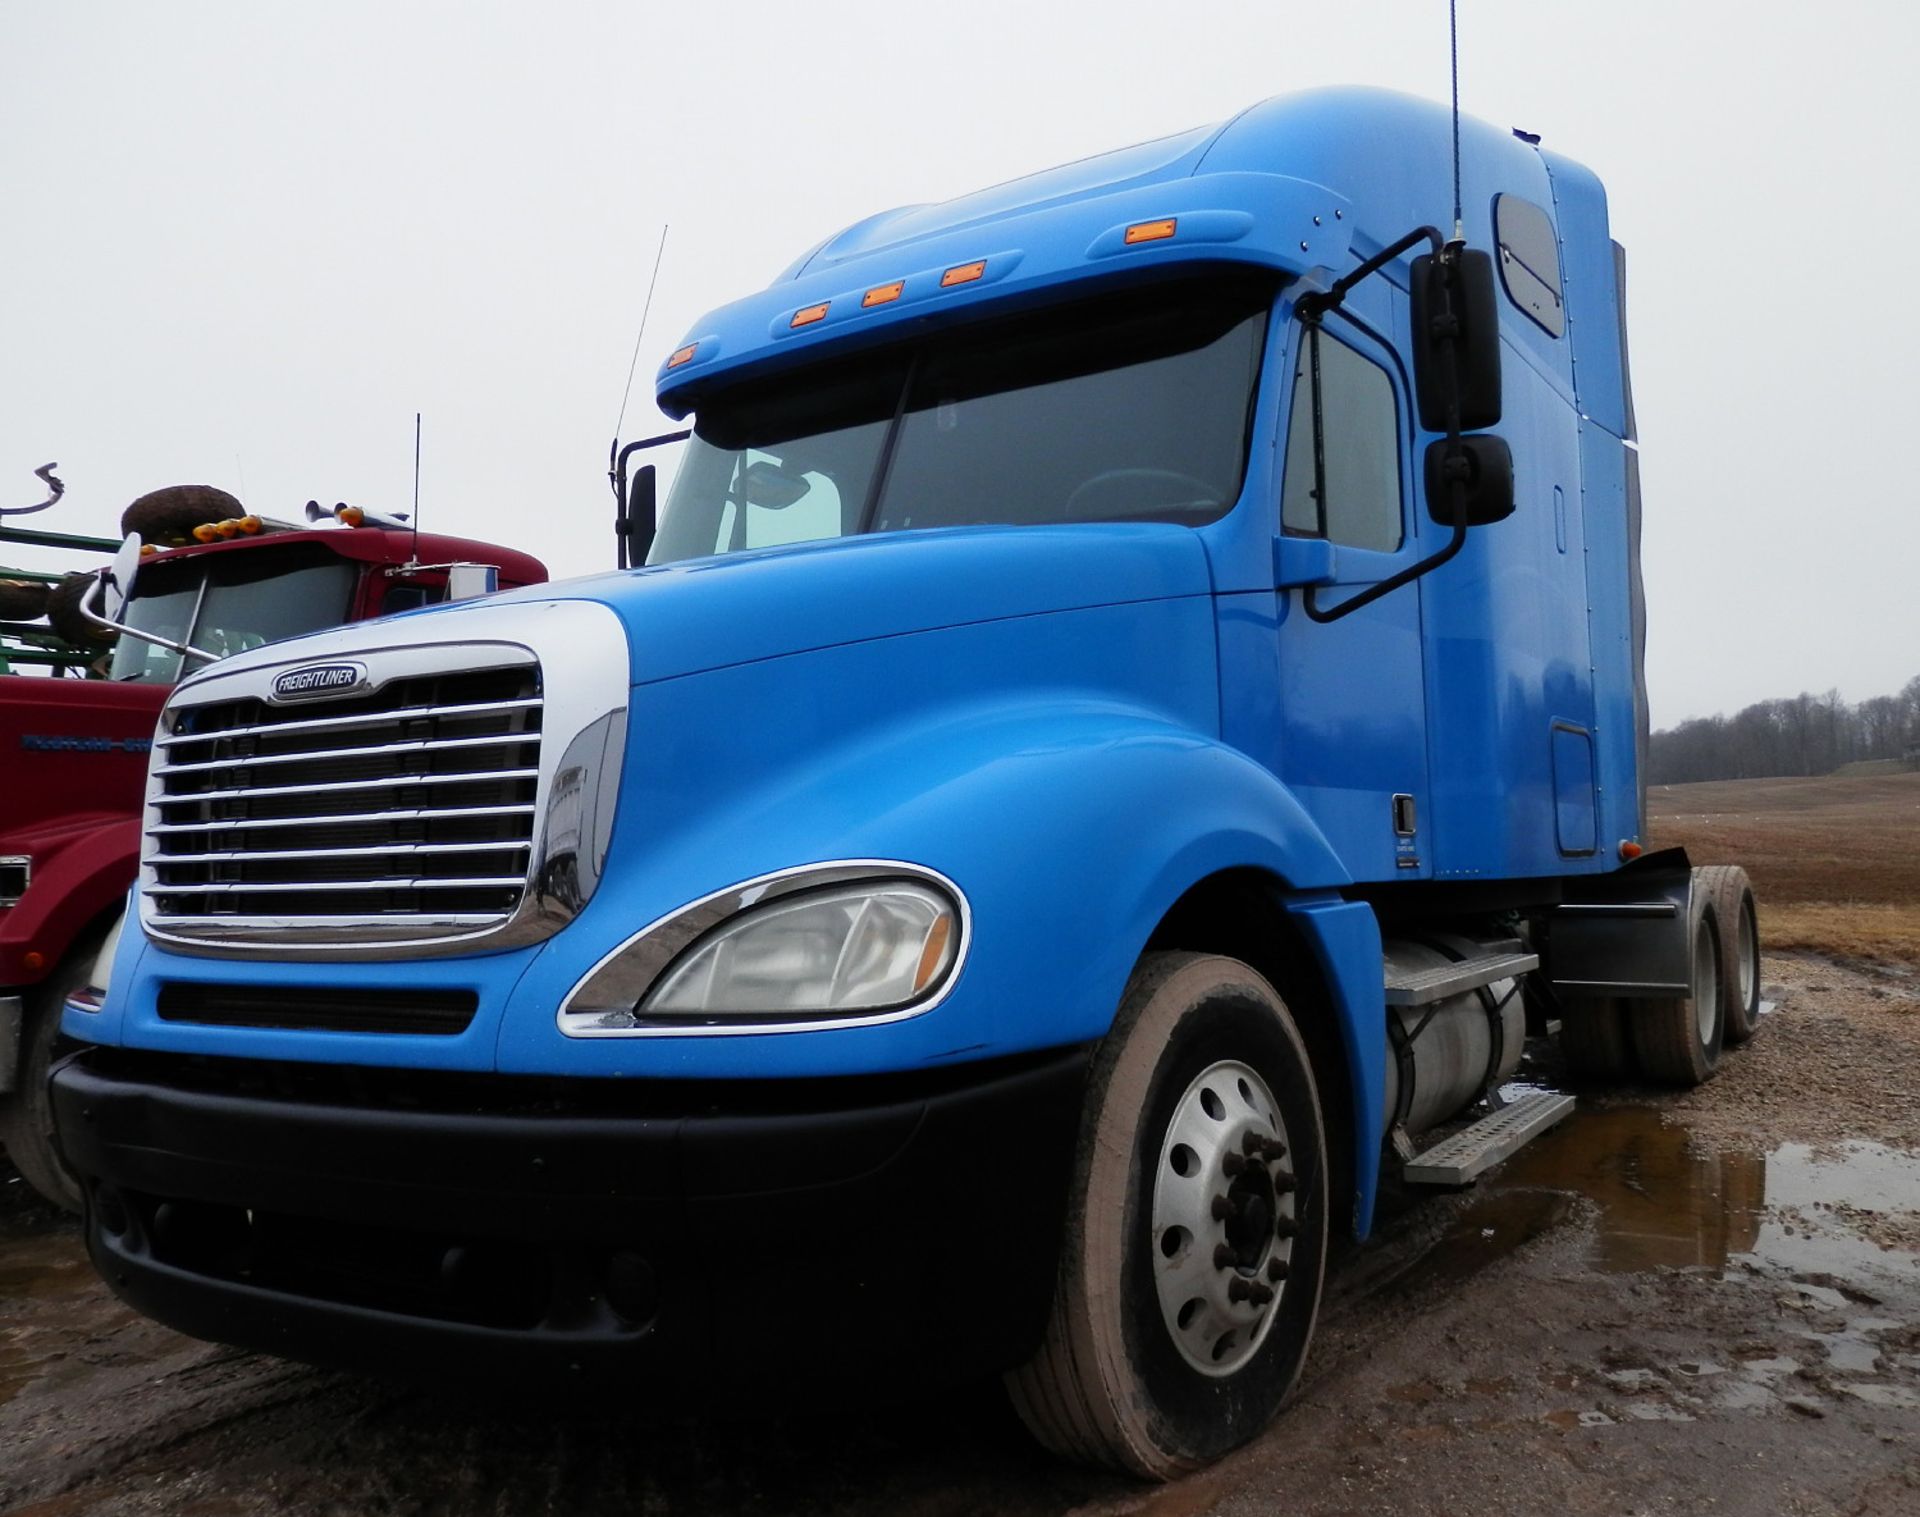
1678, 1038
1200, 1182
26, 1116
1594, 1041
1730, 893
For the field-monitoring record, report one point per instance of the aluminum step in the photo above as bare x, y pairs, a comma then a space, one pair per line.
1420, 987
1471, 1152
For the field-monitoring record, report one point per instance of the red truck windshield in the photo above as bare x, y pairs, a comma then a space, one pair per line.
226, 603
1129, 408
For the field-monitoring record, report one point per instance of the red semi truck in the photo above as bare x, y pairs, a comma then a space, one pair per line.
76, 730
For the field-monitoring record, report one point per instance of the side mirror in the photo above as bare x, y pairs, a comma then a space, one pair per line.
642, 510
465, 581
116, 580
1486, 469
1456, 294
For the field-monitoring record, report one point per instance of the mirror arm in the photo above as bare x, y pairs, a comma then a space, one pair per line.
185, 650
1372, 593
1328, 299
617, 457
1456, 466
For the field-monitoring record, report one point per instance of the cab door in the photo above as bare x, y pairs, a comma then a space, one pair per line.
1352, 742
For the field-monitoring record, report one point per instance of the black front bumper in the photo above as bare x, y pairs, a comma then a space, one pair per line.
690, 1236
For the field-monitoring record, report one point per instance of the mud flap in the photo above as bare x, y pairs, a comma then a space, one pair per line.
1628, 933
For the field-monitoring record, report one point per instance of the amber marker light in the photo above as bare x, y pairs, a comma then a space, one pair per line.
683, 355
1630, 850
349, 516
206, 532
933, 957
807, 315
963, 273
880, 294
1151, 231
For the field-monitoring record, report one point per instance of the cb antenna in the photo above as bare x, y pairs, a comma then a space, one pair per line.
414, 553
639, 336
1453, 40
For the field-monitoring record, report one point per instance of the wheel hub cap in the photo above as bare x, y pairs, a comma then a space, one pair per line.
1224, 1216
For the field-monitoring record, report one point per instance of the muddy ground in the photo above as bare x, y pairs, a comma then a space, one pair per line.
1693, 1304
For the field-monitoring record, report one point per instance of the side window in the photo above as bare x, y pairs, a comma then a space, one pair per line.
1529, 261
1360, 443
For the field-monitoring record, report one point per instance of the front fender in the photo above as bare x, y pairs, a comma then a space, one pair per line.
1072, 827
81, 869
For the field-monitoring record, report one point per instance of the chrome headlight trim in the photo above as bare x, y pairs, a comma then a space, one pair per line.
17, 876
624, 977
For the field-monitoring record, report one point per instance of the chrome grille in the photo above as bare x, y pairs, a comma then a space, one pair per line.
412, 804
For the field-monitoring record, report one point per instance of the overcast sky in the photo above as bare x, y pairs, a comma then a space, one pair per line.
244, 243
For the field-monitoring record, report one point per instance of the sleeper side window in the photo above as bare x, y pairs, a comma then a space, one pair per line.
1360, 446
1530, 261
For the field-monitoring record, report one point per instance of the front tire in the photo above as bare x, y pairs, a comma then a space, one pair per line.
1196, 1237
26, 1115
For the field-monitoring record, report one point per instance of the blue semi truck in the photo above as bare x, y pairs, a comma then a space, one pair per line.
1131, 708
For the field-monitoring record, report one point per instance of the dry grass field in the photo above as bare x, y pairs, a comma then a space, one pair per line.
1835, 860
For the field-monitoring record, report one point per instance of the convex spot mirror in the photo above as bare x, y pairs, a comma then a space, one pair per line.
768, 485
1457, 294
1488, 469
116, 580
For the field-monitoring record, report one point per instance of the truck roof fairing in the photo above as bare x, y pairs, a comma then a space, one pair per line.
1251, 191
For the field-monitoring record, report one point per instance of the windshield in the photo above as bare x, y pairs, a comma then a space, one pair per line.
228, 602
1129, 408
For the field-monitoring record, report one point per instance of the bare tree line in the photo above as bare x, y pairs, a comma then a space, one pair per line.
1807, 734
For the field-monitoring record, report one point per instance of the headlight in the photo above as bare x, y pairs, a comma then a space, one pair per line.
807, 947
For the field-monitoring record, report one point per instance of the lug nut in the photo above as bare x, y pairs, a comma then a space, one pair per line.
1283, 1184
1285, 1227
1224, 1257
1222, 1209
1233, 1164
1256, 1292
1273, 1150
1252, 1143
1277, 1269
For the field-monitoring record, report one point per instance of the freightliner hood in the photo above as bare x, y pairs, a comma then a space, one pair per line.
712, 613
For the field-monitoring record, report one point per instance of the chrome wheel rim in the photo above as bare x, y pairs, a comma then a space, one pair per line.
1706, 985
1749, 956
1225, 1212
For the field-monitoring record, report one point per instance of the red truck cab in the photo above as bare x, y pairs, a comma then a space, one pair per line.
76, 755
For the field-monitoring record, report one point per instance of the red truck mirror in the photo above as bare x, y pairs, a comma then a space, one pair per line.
116, 580
1453, 295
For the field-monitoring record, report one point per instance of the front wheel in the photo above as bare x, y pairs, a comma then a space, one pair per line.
26, 1115
1196, 1238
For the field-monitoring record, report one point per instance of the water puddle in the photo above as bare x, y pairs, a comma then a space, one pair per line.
1663, 1199
1818, 1250
44, 1281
